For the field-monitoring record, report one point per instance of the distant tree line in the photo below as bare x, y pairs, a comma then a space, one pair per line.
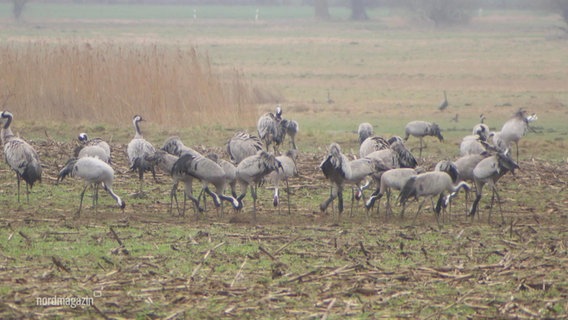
440, 12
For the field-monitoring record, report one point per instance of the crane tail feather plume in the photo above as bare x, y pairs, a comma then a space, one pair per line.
67, 169
408, 190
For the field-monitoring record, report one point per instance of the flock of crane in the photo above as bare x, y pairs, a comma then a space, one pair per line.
384, 163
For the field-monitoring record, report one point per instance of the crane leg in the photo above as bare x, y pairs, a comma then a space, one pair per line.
81, 202
340, 199
27, 193
253, 190
18, 179
418, 211
173, 195
288, 192
332, 195
494, 195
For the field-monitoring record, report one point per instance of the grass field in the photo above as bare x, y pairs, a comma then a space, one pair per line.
145, 263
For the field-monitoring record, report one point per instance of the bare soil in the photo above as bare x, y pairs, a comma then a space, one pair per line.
303, 265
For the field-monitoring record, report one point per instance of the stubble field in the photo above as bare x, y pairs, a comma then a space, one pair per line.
147, 263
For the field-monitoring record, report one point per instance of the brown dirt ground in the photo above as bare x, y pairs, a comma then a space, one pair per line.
532, 246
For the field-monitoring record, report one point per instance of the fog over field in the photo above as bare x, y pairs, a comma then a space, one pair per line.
204, 71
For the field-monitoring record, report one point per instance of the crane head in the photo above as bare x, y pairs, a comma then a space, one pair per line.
83, 137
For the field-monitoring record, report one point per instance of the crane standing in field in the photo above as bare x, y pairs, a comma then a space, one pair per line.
208, 172
292, 128
339, 170
98, 142
242, 145
20, 156
365, 130
93, 171
489, 171
444, 104
481, 129
390, 179
289, 170
174, 145
271, 128
421, 129
428, 185
251, 171
515, 128
230, 172
368, 142
138, 150
165, 161
95, 152
464, 167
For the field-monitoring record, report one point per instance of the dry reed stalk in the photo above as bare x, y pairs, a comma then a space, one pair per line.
110, 82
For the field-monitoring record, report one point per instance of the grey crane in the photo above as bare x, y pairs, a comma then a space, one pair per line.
444, 104
138, 150
339, 170
368, 142
292, 129
95, 152
481, 129
364, 131
421, 129
230, 171
165, 161
395, 156
329, 99
251, 171
272, 129
208, 172
242, 145
489, 171
465, 166
390, 179
93, 171
20, 156
472, 144
175, 146
428, 185
289, 170
372, 144
450, 168
85, 141
515, 128
498, 143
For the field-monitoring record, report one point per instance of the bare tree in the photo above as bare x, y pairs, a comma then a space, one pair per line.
561, 6
18, 8
358, 11
443, 12
321, 9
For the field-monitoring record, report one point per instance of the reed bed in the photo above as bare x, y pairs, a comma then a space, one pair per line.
109, 82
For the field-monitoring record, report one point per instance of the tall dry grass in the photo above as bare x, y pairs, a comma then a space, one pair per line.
111, 82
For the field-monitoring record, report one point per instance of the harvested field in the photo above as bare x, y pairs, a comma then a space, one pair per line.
146, 263
76, 68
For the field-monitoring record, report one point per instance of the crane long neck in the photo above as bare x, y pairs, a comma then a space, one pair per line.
460, 185
137, 128
6, 131
113, 195
8, 121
